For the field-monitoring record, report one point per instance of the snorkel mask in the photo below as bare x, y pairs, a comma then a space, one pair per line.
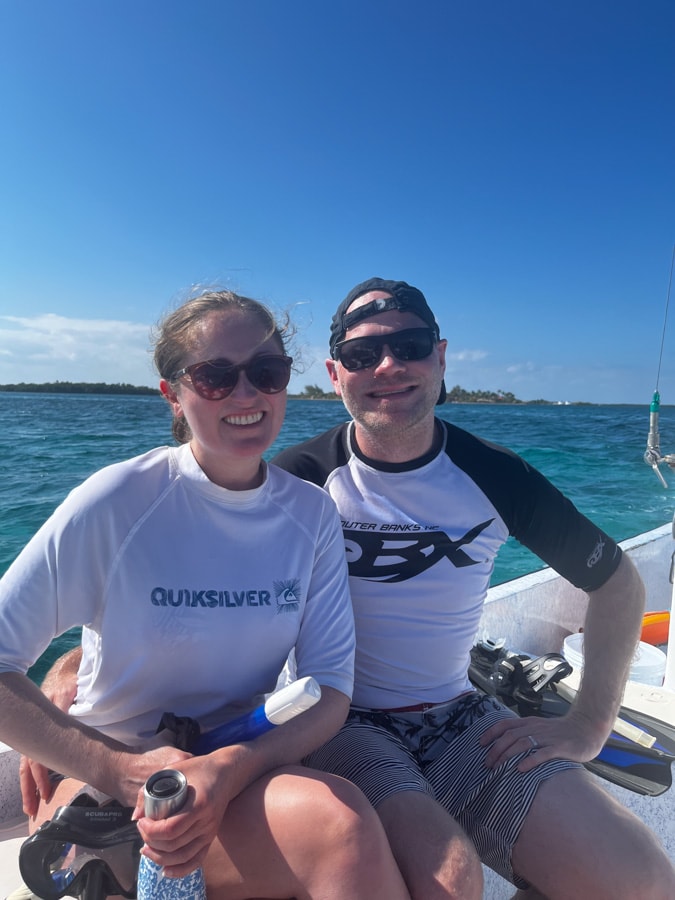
86, 851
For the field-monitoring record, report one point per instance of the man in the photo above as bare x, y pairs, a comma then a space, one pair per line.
425, 507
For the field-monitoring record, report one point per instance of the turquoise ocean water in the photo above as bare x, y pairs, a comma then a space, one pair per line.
51, 442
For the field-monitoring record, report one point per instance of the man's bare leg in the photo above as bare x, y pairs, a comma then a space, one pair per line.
435, 856
578, 843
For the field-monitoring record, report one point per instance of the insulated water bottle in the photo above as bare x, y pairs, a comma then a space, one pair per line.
165, 793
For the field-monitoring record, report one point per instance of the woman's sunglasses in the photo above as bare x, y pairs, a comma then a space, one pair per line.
217, 378
364, 352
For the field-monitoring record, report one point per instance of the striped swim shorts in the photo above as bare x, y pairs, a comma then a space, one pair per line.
438, 753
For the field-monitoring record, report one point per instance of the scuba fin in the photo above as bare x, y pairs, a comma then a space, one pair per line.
531, 687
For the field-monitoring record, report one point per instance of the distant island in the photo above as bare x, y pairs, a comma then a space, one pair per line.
311, 392
76, 387
456, 395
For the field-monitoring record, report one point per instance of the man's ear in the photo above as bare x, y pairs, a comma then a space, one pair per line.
442, 347
331, 368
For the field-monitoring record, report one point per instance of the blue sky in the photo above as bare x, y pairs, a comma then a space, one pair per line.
512, 158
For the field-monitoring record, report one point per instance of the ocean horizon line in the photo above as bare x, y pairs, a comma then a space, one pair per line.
119, 389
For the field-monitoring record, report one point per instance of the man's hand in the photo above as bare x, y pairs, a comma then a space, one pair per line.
566, 737
60, 683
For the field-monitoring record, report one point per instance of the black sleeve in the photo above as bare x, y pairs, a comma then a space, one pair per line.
315, 459
536, 513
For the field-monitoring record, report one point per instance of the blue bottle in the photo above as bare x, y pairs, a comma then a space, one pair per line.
279, 707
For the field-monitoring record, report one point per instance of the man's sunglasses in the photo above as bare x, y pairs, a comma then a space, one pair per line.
217, 378
364, 352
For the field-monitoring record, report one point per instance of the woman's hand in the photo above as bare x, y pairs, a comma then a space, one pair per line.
180, 843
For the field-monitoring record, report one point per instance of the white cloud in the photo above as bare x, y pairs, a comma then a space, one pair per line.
466, 356
50, 347
524, 368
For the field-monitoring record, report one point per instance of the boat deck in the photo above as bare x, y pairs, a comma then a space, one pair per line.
10, 842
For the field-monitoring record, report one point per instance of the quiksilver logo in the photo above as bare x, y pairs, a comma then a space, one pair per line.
287, 595
161, 596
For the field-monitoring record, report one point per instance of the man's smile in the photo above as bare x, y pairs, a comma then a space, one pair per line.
393, 391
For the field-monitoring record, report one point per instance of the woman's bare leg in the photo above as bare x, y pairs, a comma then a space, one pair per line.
294, 833
303, 834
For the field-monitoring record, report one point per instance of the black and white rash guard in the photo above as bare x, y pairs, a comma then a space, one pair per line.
421, 539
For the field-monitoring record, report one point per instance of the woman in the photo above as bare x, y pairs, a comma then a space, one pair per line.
194, 571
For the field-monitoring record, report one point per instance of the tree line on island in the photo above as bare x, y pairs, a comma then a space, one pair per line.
311, 392
76, 387
457, 395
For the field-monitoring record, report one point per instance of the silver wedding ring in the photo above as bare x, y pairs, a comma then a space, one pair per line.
533, 741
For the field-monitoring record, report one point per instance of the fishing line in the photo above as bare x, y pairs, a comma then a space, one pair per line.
665, 318
652, 455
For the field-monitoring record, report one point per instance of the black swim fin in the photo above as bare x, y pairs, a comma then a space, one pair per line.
664, 732
528, 686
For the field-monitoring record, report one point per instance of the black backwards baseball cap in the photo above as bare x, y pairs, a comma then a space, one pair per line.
403, 296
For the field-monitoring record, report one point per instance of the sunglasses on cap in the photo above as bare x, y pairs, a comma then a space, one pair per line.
215, 379
365, 352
